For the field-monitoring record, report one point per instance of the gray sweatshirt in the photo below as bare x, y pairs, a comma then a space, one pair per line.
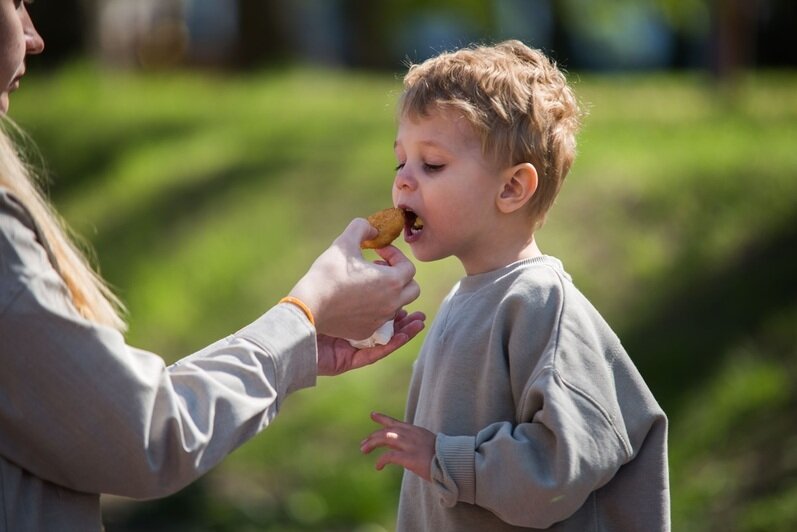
542, 420
82, 413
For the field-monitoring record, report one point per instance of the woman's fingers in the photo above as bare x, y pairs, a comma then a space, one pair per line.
405, 330
358, 230
403, 319
396, 267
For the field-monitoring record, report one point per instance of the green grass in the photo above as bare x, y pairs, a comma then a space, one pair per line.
206, 198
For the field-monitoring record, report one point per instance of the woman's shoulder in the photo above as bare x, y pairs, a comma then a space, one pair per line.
12, 210
15, 228
30, 283
18, 230
16, 223
23, 256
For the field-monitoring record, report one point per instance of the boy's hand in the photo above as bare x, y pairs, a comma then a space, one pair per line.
336, 356
410, 447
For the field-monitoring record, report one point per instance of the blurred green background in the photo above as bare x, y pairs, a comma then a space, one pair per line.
207, 192
207, 198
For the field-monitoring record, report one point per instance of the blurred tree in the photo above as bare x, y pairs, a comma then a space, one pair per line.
733, 29
263, 31
64, 26
723, 36
367, 44
361, 33
776, 43
740, 33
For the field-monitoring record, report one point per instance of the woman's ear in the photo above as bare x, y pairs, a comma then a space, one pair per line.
518, 185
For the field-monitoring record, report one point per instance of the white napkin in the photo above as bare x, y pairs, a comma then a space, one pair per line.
380, 337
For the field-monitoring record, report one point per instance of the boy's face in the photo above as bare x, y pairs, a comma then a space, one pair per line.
443, 177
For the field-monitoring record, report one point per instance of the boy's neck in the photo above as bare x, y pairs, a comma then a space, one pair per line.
503, 252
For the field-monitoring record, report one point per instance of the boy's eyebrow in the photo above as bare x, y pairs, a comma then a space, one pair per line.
432, 143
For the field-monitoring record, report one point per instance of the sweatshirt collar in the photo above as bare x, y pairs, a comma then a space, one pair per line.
472, 283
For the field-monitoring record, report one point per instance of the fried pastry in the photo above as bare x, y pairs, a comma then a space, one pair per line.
390, 223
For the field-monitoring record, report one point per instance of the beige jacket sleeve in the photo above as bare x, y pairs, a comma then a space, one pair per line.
80, 408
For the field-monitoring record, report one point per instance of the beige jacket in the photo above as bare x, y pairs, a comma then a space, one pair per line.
82, 413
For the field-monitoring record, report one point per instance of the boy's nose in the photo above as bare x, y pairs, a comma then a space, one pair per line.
404, 180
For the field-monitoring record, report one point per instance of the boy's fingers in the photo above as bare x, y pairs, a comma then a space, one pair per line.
382, 419
390, 457
382, 438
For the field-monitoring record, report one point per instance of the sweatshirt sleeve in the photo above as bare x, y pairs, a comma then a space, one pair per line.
80, 408
537, 473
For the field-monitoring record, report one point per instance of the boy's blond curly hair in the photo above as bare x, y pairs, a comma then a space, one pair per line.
516, 100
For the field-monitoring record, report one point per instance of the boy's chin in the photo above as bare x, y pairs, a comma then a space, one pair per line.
426, 255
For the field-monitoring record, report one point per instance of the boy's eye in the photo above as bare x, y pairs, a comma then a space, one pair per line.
427, 167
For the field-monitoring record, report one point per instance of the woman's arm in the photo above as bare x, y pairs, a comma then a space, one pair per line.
80, 408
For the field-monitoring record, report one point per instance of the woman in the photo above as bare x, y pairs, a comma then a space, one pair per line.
82, 413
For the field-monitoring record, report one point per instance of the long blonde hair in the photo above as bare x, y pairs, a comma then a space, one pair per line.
91, 295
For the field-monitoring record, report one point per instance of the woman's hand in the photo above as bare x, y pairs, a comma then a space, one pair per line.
351, 297
336, 356
409, 446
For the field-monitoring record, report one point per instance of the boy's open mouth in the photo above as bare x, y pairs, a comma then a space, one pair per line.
413, 225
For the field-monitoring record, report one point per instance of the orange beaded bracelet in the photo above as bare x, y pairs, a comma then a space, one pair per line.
299, 303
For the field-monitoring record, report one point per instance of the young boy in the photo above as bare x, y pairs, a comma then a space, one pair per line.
524, 409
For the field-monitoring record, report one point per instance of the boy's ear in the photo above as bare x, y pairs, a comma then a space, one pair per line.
518, 185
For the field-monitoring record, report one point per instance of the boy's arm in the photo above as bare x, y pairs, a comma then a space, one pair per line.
538, 473
529, 474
